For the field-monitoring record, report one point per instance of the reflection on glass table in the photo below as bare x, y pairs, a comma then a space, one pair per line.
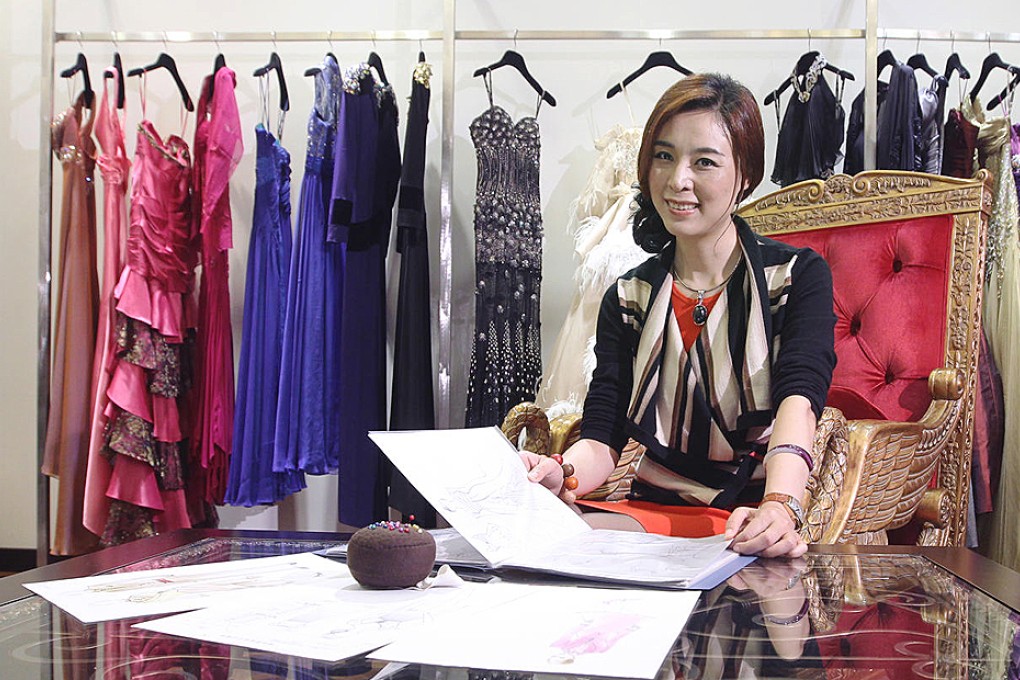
834, 615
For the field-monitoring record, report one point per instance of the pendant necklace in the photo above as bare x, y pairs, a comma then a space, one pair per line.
700, 312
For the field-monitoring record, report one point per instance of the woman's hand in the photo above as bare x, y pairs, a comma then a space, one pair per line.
547, 472
767, 531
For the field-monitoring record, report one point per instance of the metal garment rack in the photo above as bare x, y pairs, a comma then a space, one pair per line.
449, 37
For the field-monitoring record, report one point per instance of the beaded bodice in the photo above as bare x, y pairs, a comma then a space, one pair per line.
322, 121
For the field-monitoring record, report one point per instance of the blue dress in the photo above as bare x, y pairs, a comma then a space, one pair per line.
251, 480
307, 417
367, 173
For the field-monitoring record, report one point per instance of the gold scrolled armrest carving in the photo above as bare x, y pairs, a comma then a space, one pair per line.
826, 481
530, 417
565, 430
935, 508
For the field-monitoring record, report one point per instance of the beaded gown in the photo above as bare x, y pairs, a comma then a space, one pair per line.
604, 245
1001, 318
307, 417
115, 168
74, 328
506, 356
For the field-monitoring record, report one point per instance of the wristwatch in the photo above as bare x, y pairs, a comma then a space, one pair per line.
791, 504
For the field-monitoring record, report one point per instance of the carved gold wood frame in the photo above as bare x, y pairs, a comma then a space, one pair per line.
877, 473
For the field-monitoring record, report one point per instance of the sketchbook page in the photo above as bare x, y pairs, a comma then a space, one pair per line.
581, 631
635, 558
175, 589
475, 479
348, 621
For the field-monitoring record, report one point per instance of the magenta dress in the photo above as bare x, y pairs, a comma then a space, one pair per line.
115, 167
155, 312
218, 149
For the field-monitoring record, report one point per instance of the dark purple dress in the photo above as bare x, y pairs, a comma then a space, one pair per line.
307, 421
251, 480
364, 190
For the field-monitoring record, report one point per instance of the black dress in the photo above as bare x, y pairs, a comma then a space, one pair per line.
812, 130
411, 400
506, 359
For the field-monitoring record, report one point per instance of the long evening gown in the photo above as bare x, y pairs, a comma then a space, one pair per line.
506, 356
307, 419
252, 480
115, 168
218, 149
74, 329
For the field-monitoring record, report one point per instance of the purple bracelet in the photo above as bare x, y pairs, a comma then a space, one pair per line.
791, 448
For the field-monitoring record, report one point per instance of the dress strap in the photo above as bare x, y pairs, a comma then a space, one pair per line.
487, 79
141, 92
775, 99
538, 107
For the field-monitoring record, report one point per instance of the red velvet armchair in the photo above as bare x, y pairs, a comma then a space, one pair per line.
892, 448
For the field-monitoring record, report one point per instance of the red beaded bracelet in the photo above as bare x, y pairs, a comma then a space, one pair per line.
569, 480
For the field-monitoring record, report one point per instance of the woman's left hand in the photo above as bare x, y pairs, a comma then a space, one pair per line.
767, 531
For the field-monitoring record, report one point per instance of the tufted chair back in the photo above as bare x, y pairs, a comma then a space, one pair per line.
907, 257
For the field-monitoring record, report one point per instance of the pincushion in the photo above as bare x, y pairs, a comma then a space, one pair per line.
391, 555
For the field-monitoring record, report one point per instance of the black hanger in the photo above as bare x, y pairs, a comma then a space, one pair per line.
1005, 92
991, 62
316, 69
651, 61
919, 61
81, 65
886, 58
276, 65
118, 66
803, 64
219, 62
164, 60
421, 56
953, 63
512, 58
375, 61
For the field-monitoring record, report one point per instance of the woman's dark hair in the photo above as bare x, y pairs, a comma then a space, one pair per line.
740, 116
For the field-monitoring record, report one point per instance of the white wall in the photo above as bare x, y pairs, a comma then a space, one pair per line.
577, 72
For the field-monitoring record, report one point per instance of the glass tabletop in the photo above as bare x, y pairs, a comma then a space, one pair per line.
825, 616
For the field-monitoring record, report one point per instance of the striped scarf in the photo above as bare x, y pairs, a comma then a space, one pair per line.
703, 413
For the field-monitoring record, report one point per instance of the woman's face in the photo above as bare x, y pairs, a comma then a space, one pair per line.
693, 176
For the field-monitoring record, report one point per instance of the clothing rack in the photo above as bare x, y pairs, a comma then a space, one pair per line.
449, 36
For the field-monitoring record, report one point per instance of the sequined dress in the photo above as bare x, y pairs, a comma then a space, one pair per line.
1001, 318
506, 357
605, 248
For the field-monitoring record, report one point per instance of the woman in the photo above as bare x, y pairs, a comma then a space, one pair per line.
717, 352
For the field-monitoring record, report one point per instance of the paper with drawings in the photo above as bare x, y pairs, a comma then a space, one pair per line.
175, 589
580, 631
476, 481
336, 625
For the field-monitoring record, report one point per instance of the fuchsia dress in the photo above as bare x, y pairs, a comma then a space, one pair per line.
218, 149
115, 167
155, 310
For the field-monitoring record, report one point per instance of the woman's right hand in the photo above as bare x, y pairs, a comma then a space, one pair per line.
547, 472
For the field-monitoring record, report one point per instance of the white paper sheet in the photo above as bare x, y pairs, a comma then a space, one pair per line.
476, 481
351, 620
174, 589
580, 631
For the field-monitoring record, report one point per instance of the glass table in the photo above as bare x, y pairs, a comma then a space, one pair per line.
841, 612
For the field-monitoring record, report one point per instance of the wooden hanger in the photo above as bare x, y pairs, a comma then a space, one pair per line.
953, 63
651, 61
1006, 91
803, 64
81, 65
991, 62
164, 60
514, 59
276, 65
118, 66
